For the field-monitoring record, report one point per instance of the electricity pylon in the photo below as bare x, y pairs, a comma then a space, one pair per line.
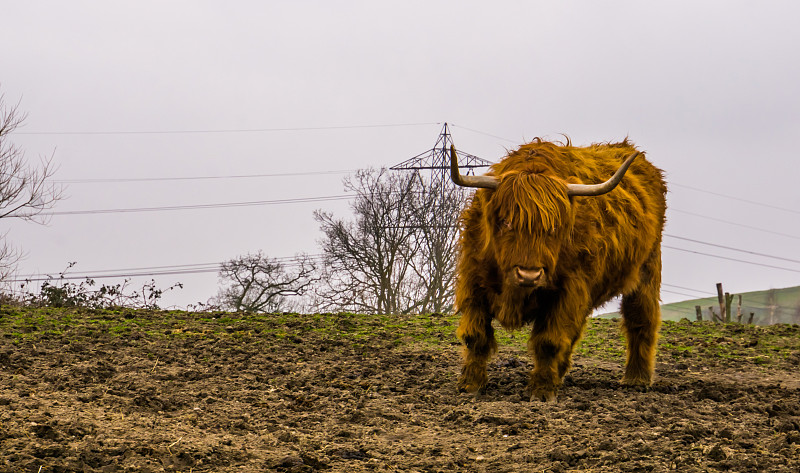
437, 160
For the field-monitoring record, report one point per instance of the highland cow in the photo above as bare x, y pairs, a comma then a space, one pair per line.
545, 241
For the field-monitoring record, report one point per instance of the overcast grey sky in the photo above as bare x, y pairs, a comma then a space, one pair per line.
179, 89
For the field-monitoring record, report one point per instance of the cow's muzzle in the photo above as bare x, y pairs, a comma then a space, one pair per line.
528, 277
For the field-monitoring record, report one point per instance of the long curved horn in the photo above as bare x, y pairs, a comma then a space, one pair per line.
486, 182
600, 189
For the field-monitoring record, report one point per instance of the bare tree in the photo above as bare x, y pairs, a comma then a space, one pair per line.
437, 215
257, 283
25, 190
398, 255
9, 256
366, 265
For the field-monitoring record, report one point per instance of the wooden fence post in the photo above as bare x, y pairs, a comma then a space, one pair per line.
721, 299
772, 304
751, 318
728, 304
711, 314
699, 311
739, 310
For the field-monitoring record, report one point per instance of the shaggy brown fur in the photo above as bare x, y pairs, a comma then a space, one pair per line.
589, 248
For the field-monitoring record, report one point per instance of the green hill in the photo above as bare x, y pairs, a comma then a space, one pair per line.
773, 306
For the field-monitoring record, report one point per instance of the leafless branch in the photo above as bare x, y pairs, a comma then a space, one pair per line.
26, 190
257, 283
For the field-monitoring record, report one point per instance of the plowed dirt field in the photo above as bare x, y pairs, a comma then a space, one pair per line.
105, 391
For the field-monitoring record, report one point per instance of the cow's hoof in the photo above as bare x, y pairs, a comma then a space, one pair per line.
473, 378
637, 388
636, 384
543, 394
470, 385
637, 380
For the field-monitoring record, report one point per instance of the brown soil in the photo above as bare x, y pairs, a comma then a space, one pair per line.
174, 392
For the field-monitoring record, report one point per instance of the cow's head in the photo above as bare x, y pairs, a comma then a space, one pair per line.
528, 216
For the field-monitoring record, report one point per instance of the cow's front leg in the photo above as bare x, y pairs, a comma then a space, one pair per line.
550, 346
477, 334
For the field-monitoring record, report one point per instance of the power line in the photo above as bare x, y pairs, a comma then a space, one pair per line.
198, 178
691, 304
119, 275
483, 133
781, 258
199, 206
147, 271
678, 293
731, 259
762, 204
687, 289
751, 227
231, 130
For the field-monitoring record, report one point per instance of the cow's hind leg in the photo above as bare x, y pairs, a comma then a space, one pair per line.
476, 332
641, 319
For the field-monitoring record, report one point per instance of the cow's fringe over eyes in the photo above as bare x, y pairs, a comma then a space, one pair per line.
539, 203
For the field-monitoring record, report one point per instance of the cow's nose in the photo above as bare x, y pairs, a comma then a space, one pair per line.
528, 276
